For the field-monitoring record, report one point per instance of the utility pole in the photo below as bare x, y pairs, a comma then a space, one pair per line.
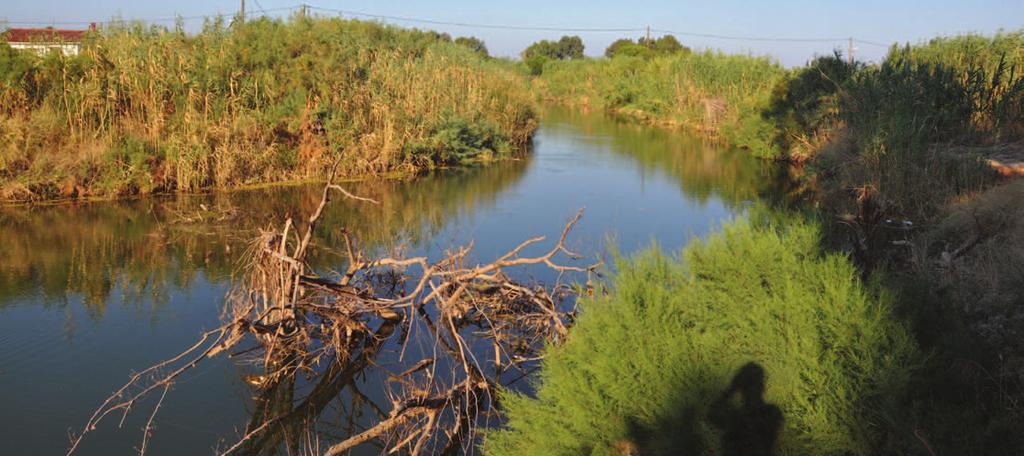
849, 52
241, 12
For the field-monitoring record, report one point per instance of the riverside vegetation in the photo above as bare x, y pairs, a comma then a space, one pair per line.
833, 356
150, 109
901, 154
926, 335
891, 324
665, 83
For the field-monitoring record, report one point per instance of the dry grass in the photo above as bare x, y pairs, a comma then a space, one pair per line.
145, 110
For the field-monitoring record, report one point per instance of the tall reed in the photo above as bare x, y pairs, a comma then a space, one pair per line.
145, 109
715, 93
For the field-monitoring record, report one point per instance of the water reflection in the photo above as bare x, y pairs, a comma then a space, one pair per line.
90, 292
703, 170
146, 246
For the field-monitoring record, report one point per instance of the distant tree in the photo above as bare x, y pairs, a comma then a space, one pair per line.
439, 36
542, 48
538, 54
665, 45
617, 47
568, 47
627, 48
474, 43
668, 44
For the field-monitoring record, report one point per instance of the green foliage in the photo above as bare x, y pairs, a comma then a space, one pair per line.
953, 92
14, 66
645, 366
455, 140
911, 136
806, 102
665, 45
566, 48
535, 64
620, 47
711, 92
263, 101
474, 43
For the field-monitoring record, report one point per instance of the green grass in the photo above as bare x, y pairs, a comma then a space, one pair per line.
153, 109
645, 365
718, 94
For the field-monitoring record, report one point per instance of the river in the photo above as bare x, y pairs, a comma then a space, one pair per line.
90, 292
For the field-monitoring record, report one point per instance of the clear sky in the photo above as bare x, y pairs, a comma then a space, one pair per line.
871, 20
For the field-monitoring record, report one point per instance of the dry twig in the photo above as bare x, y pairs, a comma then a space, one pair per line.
333, 330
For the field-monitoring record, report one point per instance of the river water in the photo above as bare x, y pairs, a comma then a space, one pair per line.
91, 292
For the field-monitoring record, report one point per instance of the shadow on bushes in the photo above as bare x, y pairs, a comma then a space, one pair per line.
748, 425
662, 363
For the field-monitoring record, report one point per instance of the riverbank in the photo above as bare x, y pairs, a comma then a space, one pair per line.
717, 95
903, 166
94, 291
152, 110
889, 325
818, 360
900, 158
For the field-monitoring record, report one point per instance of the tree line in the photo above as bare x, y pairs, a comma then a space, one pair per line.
571, 48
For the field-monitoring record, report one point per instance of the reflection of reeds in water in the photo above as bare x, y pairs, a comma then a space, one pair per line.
147, 247
703, 169
717, 94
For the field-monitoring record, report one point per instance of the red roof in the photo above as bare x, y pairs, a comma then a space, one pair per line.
49, 34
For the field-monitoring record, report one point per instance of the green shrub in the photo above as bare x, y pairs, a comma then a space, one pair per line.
646, 367
473, 43
566, 48
455, 140
535, 64
722, 95
806, 103
664, 45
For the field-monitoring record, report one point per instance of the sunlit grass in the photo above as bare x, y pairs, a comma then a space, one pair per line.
718, 94
151, 109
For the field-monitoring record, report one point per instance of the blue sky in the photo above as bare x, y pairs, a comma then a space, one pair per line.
871, 20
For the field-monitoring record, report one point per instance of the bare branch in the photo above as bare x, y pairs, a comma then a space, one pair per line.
474, 314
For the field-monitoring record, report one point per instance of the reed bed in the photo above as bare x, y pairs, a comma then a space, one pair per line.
149, 109
717, 94
912, 128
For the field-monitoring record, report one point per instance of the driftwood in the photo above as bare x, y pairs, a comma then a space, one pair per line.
473, 322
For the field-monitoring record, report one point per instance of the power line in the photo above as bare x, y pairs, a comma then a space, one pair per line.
409, 19
580, 29
147, 20
260, 6
747, 38
474, 25
870, 43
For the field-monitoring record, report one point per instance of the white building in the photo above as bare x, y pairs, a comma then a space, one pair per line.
43, 40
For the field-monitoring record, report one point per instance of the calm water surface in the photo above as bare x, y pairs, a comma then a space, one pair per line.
91, 292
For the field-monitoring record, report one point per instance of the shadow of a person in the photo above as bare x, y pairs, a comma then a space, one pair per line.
752, 427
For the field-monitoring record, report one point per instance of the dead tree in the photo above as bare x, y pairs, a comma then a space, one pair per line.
478, 323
